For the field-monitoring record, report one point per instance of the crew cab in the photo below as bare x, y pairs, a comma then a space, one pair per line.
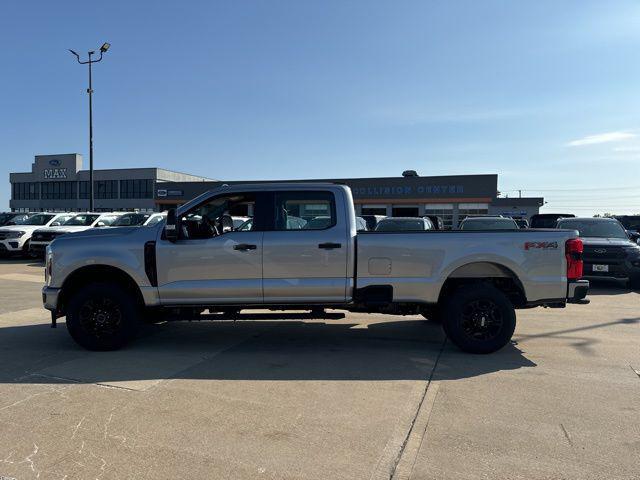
77, 223
105, 280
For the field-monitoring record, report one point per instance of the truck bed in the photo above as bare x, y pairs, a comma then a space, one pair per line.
416, 264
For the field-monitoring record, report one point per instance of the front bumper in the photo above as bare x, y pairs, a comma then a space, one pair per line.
12, 245
622, 269
577, 291
50, 298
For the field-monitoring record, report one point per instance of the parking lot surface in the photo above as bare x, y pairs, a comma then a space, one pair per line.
287, 396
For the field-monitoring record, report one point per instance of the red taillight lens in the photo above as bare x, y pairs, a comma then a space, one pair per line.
573, 252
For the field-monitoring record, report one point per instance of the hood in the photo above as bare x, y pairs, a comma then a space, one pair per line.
606, 242
68, 229
100, 232
49, 229
21, 228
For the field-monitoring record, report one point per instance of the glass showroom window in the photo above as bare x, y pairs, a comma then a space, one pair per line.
25, 191
374, 210
101, 189
58, 190
405, 211
136, 188
467, 209
442, 210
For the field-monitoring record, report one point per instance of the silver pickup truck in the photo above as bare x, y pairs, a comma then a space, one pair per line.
301, 251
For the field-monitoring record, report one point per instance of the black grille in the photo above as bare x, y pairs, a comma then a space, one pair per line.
595, 254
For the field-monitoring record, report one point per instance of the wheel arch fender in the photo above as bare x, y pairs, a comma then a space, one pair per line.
98, 274
499, 273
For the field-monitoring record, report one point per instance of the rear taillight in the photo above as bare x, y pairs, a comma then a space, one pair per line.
573, 252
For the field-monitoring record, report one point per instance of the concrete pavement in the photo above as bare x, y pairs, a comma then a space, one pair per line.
362, 397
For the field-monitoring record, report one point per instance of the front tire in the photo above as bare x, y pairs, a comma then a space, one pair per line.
102, 316
479, 318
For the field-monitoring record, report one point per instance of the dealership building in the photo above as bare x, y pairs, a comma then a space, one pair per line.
58, 183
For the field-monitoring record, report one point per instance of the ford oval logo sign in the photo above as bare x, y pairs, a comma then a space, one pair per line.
600, 250
54, 162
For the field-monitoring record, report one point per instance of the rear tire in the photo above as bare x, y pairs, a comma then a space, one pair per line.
478, 318
102, 316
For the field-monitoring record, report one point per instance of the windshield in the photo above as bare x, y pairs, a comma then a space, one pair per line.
107, 221
154, 220
489, 224
595, 228
399, 225
130, 219
20, 219
40, 219
83, 220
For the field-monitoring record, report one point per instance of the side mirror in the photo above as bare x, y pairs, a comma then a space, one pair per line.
55, 224
172, 227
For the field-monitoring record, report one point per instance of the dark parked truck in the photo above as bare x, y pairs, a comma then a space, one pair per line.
609, 253
105, 281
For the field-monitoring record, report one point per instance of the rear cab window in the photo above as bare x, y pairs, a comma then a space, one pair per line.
305, 210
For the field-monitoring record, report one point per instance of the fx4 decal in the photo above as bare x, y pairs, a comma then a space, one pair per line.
541, 245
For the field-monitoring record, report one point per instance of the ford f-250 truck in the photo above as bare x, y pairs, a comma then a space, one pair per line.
106, 281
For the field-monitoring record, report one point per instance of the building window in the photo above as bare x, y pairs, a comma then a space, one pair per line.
25, 191
136, 188
405, 211
58, 190
467, 209
101, 189
373, 210
442, 210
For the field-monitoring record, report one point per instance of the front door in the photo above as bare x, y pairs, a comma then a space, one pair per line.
305, 253
211, 263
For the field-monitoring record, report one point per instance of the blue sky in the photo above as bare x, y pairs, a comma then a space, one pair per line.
544, 93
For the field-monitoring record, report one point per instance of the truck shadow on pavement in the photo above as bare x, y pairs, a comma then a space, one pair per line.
601, 287
249, 350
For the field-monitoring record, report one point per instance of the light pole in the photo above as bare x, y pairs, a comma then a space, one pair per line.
105, 46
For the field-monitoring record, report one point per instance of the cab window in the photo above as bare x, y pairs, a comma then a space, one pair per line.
304, 211
215, 217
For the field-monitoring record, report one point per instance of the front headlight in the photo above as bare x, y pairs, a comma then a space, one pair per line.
15, 234
633, 250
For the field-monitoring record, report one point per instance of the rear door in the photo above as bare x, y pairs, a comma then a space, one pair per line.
305, 251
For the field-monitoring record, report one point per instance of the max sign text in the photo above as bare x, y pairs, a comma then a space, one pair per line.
55, 173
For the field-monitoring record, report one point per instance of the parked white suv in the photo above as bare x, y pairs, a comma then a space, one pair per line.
15, 239
77, 223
